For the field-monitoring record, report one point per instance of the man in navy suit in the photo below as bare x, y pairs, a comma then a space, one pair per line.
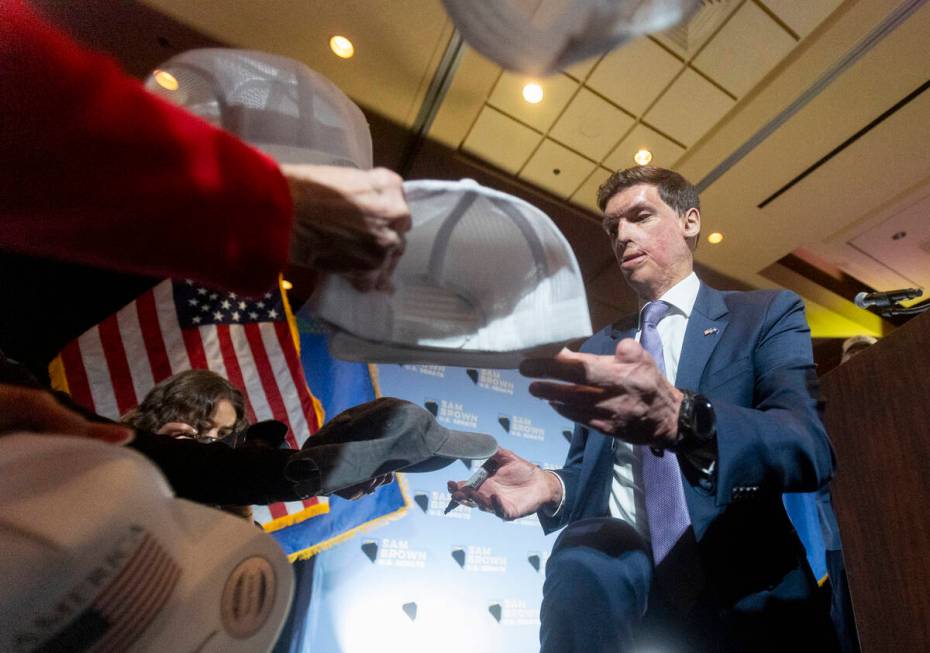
693, 417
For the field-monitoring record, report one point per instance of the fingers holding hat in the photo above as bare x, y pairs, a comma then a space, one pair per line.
348, 221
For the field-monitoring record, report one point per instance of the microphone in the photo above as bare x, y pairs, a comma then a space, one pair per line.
885, 299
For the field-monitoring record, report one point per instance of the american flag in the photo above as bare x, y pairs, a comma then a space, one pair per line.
181, 325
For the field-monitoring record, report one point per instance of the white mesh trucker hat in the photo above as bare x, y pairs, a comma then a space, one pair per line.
99, 556
541, 36
292, 113
486, 279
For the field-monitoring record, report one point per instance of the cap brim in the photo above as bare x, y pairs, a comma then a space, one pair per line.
347, 346
460, 445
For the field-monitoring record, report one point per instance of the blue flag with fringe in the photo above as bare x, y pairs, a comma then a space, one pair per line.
804, 515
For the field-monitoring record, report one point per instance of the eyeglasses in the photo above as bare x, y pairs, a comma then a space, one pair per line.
230, 440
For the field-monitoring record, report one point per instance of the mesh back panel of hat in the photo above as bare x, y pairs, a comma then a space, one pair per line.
480, 266
279, 105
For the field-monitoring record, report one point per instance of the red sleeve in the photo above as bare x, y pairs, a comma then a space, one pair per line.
97, 170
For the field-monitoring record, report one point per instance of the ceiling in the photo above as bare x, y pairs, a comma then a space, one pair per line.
805, 124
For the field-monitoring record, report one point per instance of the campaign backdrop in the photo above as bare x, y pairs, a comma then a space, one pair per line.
464, 581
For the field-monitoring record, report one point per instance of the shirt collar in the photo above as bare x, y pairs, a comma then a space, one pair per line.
681, 296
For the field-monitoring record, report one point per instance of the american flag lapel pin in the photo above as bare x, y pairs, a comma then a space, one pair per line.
711, 331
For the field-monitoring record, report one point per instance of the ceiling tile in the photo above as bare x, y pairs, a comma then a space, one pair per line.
634, 75
586, 196
471, 85
734, 58
858, 265
581, 69
802, 17
686, 39
902, 244
508, 97
591, 125
501, 140
556, 168
689, 108
664, 152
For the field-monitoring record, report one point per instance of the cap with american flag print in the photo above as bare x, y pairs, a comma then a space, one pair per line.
98, 555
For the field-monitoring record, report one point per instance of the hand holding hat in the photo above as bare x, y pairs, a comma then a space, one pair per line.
348, 221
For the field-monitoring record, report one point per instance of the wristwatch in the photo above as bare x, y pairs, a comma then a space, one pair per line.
697, 424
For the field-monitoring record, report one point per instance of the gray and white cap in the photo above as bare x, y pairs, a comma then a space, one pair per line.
292, 113
486, 280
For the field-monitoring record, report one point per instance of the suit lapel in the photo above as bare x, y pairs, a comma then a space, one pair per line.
706, 325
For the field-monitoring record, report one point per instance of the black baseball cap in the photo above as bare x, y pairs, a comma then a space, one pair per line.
387, 435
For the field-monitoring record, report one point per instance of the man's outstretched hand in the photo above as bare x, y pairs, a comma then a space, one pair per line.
515, 489
623, 395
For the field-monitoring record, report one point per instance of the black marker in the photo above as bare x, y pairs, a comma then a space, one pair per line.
474, 481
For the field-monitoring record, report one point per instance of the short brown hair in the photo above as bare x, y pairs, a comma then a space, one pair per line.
190, 397
675, 190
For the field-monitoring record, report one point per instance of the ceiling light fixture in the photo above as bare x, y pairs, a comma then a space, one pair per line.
643, 157
533, 93
341, 47
714, 238
165, 79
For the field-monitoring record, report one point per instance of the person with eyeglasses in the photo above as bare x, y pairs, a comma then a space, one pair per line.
195, 405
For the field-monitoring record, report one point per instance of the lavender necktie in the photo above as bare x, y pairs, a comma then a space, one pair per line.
666, 510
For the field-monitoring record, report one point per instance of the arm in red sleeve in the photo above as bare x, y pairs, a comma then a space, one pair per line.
98, 171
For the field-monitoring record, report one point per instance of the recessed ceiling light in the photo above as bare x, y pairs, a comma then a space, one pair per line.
166, 80
287, 285
714, 238
341, 47
533, 93
643, 157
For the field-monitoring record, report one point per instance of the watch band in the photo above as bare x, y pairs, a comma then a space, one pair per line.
697, 426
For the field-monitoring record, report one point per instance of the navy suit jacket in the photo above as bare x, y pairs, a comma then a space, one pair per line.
750, 354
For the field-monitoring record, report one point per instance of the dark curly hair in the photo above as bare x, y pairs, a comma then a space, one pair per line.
190, 397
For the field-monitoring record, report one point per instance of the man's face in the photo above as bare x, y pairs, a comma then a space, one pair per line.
649, 239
